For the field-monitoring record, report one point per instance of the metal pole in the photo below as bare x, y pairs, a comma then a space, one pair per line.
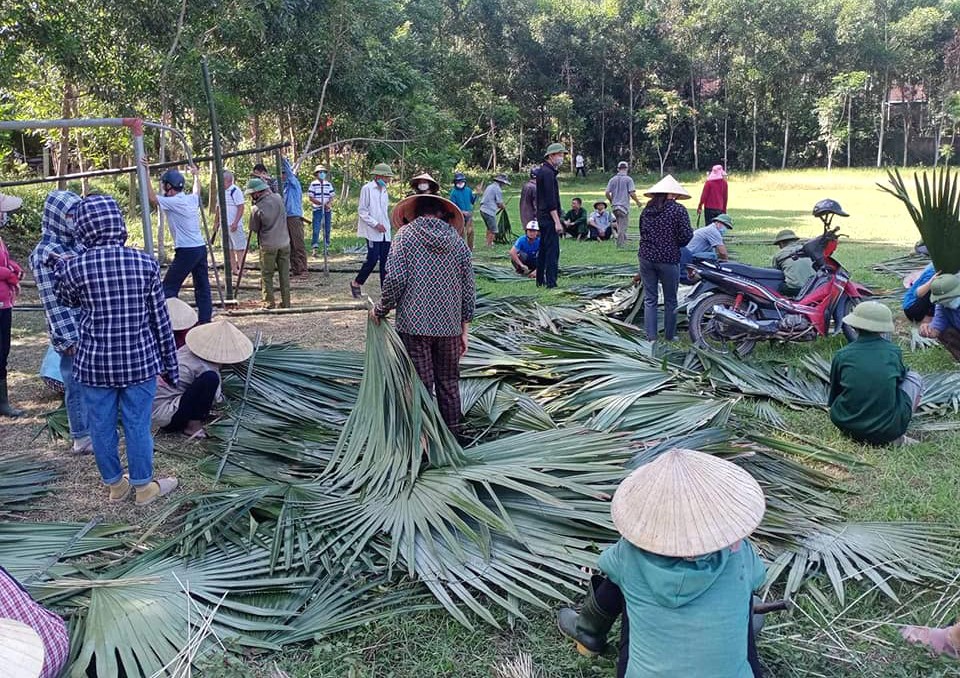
143, 176
71, 122
218, 164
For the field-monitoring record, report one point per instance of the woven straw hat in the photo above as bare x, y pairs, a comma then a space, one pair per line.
405, 211
219, 342
871, 316
182, 316
945, 288
434, 187
9, 203
21, 650
686, 504
668, 185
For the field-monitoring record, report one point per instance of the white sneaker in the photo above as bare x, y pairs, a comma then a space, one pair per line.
83, 445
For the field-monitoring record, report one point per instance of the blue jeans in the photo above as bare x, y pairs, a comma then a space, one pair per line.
134, 404
654, 274
73, 399
190, 261
321, 218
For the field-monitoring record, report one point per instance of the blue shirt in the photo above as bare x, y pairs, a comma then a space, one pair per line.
463, 198
910, 298
944, 318
292, 191
524, 245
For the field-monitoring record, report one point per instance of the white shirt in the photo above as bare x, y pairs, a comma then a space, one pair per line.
373, 209
579, 160
234, 203
183, 218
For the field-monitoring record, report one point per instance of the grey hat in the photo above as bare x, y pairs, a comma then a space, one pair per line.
502, 179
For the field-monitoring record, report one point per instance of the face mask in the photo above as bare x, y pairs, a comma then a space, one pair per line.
953, 304
558, 161
322, 175
423, 187
381, 183
459, 184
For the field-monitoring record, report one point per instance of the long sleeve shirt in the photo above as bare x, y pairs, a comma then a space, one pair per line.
463, 198
663, 232
714, 195
944, 318
292, 191
548, 194
10, 274
373, 209
910, 296
578, 218
269, 221
167, 400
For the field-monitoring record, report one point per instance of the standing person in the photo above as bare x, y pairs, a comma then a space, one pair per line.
599, 222
235, 207
260, 172
664, 230
575, 220
797, 268
581, 166
462, 196
125, 342
269, 221
713, 197
707, 241
424, 183
190, 248
58, 241
491, 203
548, 216
430, 282
10, 276
620, 191
293, 200
528, 198
321, 194
373, 224
524, 252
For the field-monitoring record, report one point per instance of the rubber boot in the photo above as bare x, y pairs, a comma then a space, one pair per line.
590, 627
6, 409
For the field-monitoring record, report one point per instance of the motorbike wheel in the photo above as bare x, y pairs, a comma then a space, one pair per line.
705, 332
846, 305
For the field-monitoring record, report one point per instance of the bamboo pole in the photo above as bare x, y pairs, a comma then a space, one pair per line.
358, 306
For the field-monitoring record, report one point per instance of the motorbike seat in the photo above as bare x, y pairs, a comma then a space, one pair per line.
765, 275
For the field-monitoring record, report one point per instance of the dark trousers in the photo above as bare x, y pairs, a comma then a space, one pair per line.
6, 321
196, 401
437, 361
377, 251
654, 274
949, 338
298, 250
528, 260
548, 258
919, 309
190, 261
709, 214
581, 171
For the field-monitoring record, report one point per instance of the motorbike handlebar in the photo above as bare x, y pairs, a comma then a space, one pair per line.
772, 606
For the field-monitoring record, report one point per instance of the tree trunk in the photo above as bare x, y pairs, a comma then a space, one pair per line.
631, 122
726, 117
63, 149
786, 141
693, 105
255, 132
603, 123
936, 143
849, 129
493, 145
883, 120
520, 162
753, 165
906, 133
85, 181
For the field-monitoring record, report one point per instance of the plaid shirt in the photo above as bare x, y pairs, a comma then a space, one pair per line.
16, 604
125, 334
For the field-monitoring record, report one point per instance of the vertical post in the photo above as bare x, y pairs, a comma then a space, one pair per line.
143, 176
279, 174
218, 164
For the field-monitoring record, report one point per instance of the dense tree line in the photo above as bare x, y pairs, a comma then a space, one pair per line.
668, 84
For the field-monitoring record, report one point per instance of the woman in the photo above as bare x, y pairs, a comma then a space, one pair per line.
183, 407
713, 197
182, 319
683, 583
664, 230
10, 276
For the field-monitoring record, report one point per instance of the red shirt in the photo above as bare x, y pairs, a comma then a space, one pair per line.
714, 195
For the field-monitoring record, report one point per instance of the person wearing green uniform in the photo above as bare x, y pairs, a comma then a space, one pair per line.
872, 394
796, 266
575, 220
683, 584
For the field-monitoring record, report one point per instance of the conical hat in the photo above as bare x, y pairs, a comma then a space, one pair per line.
219, 342
668, 185
182, 316
405, 211
686, 503
21, 650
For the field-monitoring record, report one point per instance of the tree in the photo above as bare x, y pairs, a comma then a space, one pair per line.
664, 113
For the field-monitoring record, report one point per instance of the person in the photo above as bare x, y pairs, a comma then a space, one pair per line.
940, 641
41, 636
430, 283
182, 320
462, 196
185, 407
707, 241
528, 198
322, 195
916, 301
872, 394
373, 224
676, 579
575, 220
523, 254
796, 266
492, 202
236, 204
58, 240
713, 197
424, 183
260, 172
125, 341
945, 325
581, 165
268, 219
190, 249
664, 231
293, 201
10, 276
620, 191
598, 222
548, 216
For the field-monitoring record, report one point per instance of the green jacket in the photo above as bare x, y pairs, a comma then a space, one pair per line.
579, 220
866, 401
795, 271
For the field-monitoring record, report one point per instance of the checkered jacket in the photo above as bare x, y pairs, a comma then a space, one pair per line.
16, 604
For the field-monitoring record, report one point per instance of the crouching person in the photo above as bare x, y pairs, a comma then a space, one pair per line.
872, 394
945, 324
524, 252
679, 582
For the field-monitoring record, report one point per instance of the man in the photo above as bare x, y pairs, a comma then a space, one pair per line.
260, 172
707, 242
575, 220
321, 194
373, 225
916, 300
796, 266
491, 203
268, 219
462, 196
528, 199
945, 326
235, 206
125, 342
581, 166
430, 282
548, 216
620, 191
293, 200
525, 249
599, 222
190, 248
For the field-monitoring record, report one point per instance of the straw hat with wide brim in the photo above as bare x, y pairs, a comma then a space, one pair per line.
406, 211
9, 203
686, 504
21, 650
219, 342
668, 185
182, 316
425, 178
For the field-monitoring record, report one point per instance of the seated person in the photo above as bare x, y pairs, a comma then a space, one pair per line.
945, 640
575, 220
524, 251
182, 319
872, 395
945, 326
797, 270
679, 582
47, 652
707, 242
183, 407
916, 301
599, 222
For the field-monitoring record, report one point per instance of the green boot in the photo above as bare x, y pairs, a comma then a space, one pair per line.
590, 627
6, 409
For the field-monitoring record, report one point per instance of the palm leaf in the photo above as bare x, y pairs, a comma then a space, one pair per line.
22, 480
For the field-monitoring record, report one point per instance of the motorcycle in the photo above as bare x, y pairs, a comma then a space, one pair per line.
735, 305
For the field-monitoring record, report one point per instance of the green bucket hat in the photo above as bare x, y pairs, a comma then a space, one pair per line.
724, 219
945, 288
382, 170
871, 316
786, 235
554, 148
255, 185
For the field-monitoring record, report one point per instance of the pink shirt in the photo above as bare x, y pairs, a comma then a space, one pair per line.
10, 274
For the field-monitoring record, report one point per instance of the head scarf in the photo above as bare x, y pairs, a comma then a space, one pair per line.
100, 222
58, 226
